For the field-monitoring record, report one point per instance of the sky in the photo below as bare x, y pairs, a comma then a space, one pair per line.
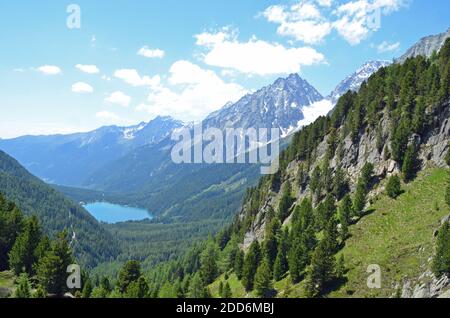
70, 66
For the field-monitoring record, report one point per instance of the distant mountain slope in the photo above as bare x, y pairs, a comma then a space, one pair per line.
195, 191
279, 105
426, 46
69, 159
91, 243
354, 81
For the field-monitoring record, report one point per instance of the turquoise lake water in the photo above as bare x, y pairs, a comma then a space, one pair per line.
114, 213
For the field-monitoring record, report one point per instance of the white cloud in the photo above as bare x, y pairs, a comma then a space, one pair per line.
255, 57
151, 53
49, 69
193, 93
312, 21
119, 98
302, 21
385, 46
81, 87
132, 77
357, 19
90, 69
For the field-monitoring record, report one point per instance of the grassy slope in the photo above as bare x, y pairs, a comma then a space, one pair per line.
397, 236
6, 283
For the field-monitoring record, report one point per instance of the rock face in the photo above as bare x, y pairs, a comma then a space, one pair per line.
354, 81
433, 148
427, 286
426, 46
280, 105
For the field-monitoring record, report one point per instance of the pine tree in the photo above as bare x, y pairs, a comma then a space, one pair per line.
281, 262
393, 187
409, 165
226, 293
137, 289
251, 263
23, 289
239, 263
271, 242
220, 289
208, 265
345, 211
263, 280
22, 255
197, 287
52, 268
285, 202
129, 273
441, 261
321, 270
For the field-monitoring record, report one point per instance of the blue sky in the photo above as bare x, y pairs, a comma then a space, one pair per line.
133, 60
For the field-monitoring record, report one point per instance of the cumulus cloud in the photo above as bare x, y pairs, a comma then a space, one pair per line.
312, 21
132, 77
385, 46
119, 98
192, 93
49, 69
302, 21
90, 69
357, 19
151, 53
82, 88
254, 57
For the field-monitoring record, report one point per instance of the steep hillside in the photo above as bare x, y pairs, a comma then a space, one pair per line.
91, 243
304, 230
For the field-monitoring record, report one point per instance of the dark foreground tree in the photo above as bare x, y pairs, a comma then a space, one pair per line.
263, 280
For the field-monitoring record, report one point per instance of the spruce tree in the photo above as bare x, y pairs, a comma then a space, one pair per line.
52, 268
197, 287
263, 280
345, 213
285, 202
251, 263
393, 187
226, 293
239, 263
129, 273
281, 262
321, 270
409, 165
208, 265
22, 255
23, 289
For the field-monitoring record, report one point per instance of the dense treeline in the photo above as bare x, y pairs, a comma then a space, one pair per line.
92, 244
39, 262
407, 95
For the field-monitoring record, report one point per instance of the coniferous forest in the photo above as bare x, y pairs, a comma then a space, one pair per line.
305, 237
359, 207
